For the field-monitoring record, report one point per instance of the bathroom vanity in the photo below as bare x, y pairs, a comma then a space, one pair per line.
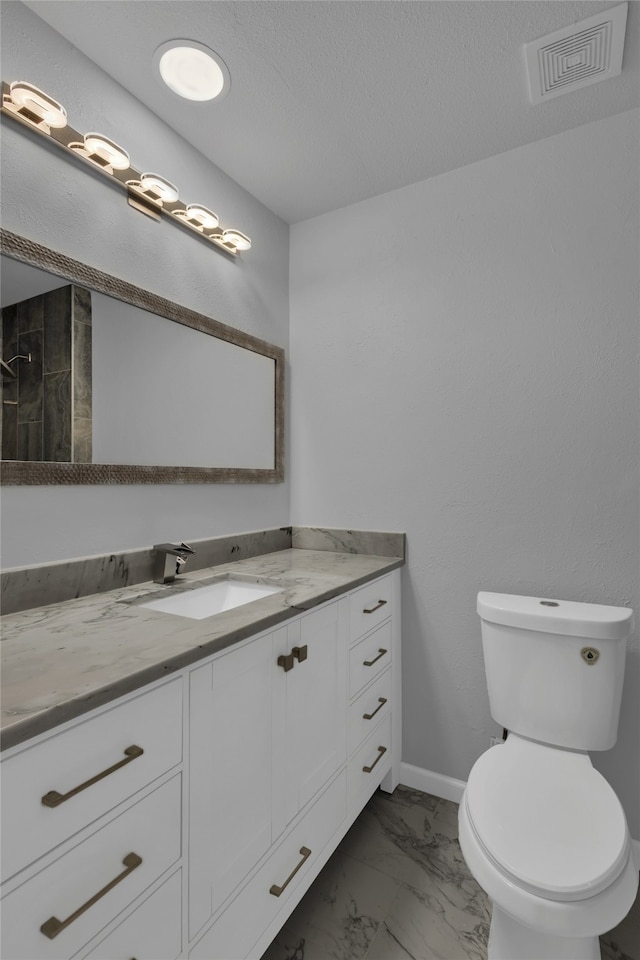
188, 813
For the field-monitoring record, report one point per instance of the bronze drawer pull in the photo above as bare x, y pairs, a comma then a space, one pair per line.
300, 653
379, 604
286, 662
370, 716
275, 889
54, 799
52, 927
370, 663
381, 751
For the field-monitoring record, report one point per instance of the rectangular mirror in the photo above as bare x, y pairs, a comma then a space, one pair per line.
103, 382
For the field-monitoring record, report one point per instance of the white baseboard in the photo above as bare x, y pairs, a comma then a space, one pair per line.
429, 782
449, 789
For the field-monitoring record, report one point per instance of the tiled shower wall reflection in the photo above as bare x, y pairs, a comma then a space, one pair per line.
46, 409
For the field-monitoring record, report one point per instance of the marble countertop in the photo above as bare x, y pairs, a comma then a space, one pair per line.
62, 660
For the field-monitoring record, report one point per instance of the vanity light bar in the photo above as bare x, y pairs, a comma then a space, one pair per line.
147, 192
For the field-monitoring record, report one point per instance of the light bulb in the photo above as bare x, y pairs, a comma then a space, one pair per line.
165, 191
27, 97
107, 150
206, 219
236, 239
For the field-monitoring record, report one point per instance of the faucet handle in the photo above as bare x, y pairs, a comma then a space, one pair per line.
181, 554
173, 549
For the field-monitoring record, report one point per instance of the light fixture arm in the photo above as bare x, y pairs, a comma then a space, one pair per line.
113, 162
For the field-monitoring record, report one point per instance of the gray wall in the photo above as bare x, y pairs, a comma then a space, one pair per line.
464, 368
55, 201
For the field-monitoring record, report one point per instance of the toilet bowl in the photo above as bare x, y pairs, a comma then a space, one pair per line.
545, 836
540, 828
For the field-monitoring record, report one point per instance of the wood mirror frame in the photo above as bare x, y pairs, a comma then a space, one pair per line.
33, 472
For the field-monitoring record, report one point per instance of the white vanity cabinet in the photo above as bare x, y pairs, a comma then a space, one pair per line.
374, 690
154, 929
248, 768
59, 783
91, 819
267, 729
310, 722
230, 761
333, 744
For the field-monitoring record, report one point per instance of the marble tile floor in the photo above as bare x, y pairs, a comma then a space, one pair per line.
397, 888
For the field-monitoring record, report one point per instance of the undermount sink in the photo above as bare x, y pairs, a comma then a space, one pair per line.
215, 598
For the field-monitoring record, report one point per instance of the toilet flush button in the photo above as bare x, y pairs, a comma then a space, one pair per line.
589, 655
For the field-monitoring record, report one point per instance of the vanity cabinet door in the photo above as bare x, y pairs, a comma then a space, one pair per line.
311, 743
229, 773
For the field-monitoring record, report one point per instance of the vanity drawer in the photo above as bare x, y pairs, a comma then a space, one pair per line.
248, 916
134, 849
369, 765
152, 932
369, 709
94, 752
368, 607
369, 658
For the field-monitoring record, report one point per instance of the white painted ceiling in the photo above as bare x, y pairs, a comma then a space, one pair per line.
335, 101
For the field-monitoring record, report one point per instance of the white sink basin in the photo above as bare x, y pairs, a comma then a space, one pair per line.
215, 598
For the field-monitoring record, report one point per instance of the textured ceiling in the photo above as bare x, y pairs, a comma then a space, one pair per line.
335, 101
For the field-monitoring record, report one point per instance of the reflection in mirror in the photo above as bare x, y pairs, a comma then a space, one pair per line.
46, 369
165, 394
100, 380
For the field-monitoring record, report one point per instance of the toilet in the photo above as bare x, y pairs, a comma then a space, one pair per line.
541, 830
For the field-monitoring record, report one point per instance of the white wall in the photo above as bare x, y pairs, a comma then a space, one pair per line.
464, 368
51, 199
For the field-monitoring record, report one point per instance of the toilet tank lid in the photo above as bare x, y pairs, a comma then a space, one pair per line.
565, 617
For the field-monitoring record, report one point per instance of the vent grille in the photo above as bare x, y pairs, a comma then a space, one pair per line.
577, 56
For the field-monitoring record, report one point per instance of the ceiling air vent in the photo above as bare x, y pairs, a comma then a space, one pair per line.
576, 56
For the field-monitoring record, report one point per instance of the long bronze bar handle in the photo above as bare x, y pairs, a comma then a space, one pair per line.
52, 927
381, 751
54, 799
286, 662
300, 653
275, 889
370, 716
370, 663
379, 604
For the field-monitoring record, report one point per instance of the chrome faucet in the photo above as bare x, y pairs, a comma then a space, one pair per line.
169, 558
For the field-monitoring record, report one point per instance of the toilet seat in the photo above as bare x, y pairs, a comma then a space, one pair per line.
547, 820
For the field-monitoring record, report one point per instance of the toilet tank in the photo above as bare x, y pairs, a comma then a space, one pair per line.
555, 668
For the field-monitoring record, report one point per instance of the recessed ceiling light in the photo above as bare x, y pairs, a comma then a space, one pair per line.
192, 70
